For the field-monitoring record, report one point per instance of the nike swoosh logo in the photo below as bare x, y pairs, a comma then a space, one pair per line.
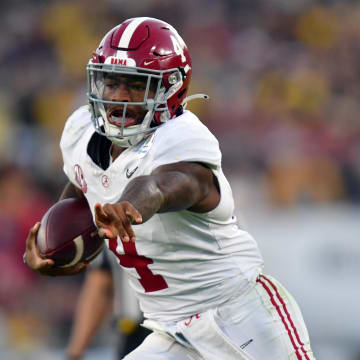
129, 174
148, 62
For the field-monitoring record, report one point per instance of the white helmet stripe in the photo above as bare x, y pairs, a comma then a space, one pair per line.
129, 31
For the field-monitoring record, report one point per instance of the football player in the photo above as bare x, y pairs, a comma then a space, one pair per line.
151, 173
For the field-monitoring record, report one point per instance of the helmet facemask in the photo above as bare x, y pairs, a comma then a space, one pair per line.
153, 102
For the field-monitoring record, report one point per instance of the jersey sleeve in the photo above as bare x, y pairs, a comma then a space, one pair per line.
186, 139
75, 127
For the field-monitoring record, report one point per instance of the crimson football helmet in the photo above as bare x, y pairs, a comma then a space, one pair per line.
152, 50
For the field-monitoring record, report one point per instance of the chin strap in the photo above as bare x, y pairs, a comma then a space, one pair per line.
193, 97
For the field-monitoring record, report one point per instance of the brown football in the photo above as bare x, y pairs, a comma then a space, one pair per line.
68, 234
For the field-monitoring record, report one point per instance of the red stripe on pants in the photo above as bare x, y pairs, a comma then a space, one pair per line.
278, 309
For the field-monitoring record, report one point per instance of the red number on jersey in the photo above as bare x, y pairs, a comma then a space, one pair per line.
131, 259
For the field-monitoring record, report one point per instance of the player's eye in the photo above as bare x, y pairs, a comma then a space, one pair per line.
111, 84
138, 86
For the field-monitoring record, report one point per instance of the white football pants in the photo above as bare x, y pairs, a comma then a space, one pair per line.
265, 323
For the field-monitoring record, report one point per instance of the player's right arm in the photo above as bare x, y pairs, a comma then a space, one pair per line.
32, 256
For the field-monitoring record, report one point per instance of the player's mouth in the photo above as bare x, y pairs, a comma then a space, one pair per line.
115, 117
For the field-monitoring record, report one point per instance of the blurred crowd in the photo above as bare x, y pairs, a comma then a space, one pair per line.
284, 84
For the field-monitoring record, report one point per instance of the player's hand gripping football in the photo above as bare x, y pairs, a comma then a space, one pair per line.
116, 219
42, 266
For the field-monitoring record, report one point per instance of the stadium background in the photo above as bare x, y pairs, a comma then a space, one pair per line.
284, 82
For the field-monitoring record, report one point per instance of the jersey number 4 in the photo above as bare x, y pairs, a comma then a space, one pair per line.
131, 259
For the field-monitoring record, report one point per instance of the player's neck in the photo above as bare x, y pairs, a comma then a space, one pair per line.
115, 151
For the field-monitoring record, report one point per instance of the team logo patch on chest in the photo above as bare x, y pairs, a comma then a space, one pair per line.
80, 178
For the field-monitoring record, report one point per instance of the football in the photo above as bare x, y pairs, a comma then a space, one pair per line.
68, 234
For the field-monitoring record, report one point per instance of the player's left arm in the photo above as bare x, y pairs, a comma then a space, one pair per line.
171, 187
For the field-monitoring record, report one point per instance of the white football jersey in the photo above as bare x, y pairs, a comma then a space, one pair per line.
182, 262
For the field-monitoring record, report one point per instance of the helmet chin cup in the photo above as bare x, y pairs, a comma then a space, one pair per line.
131, 135
123, 143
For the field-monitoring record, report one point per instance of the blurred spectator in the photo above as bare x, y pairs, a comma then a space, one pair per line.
21, 205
